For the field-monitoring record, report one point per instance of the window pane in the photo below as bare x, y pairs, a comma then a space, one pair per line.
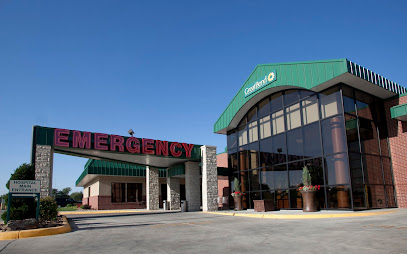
387, 171
280, 176
232, 161
358, 196
349, 105
316, 171
266, 152
336, 169
338, 197
291, 96
253, 155
242, 134
312, 140
278, 122
352, 135
372, 169
279, 148
243, 159
376, 197
264, 107
253, 132
310, 112
331, 103
295, 173
252, 115
276, 102
295, 145
232, 140
265, 127
368, 136
254, 180
364, 104
134, 192
282, 199
356, 172
391, 202
305, 93
295, 199
118, 192
333, 135
293, 115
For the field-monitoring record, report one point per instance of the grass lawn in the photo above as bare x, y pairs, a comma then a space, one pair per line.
68, 208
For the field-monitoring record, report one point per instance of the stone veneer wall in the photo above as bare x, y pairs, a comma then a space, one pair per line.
153, 190
43, 168
192, 186
398, 149
173, 193
209, 179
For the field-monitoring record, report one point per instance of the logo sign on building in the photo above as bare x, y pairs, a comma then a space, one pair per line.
25, 186
260, 83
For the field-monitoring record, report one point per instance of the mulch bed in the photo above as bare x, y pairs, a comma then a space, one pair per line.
16, 225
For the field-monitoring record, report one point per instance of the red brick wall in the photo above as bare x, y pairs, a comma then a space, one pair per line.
222, 160
105, 203
398, 149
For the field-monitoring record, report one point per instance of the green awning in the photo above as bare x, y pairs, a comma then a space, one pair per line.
399, 112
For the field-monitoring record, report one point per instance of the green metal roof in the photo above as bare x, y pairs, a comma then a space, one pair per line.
100, 167
176, 170
399, 112
306, 75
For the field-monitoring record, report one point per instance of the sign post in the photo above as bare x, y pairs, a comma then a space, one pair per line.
24, 189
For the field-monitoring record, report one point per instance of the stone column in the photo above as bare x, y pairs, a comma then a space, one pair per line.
209, 179
152, 187
44, 159
173, 193
192, 186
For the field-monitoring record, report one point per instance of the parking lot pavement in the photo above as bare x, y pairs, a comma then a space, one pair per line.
198, 232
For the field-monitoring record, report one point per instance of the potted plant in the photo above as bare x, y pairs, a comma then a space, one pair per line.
308, 192
237, 195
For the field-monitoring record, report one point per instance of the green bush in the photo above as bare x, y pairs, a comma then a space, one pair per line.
85, 207
20, 209
48, 209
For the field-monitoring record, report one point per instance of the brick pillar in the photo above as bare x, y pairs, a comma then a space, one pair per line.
192, 186
173, 193
152, 188
44, 158
209, 179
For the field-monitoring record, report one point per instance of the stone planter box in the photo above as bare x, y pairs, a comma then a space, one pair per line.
264, 205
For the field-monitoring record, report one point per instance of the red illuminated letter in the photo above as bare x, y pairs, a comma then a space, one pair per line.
100, 141
81, 141
135, 148
116, 141
148, 144
188, 149
161, 147
61, 137
172, 149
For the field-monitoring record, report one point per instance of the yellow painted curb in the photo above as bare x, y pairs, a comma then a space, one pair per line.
302, 216
37, 232
102, 212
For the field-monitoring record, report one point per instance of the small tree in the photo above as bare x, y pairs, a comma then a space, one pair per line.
21, 208
77, 196
48, 209
306, 176
236, 184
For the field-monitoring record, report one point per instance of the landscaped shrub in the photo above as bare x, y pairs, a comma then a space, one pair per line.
48, 209
85, 207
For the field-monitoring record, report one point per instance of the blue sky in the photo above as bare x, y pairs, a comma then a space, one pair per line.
166, 69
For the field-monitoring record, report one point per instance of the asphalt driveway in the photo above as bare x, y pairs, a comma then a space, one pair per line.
198, 232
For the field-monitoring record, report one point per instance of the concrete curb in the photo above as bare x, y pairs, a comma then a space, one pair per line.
302, 216
37, 232
104, 211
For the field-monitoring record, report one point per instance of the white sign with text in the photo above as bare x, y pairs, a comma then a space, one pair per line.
25, 186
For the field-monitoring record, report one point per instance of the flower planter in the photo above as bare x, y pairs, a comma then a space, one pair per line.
238, 202
309, 201
263, 205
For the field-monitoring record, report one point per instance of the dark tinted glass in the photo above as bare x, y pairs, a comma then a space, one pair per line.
368, 136
291, 97
266, 152
232, 140
333, 135
282, 199
243, 159
349, 105
352, 135
254, 180
364, 102
295, 145
279, 148
336, 169
312, 140
252, 114
305, 93
253, 155
316, 171
358, 192
264, 107
232, 161
295, 199
280, 176
276, 102
376, 196
372, 169
338, 197
295, 173
356, 172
